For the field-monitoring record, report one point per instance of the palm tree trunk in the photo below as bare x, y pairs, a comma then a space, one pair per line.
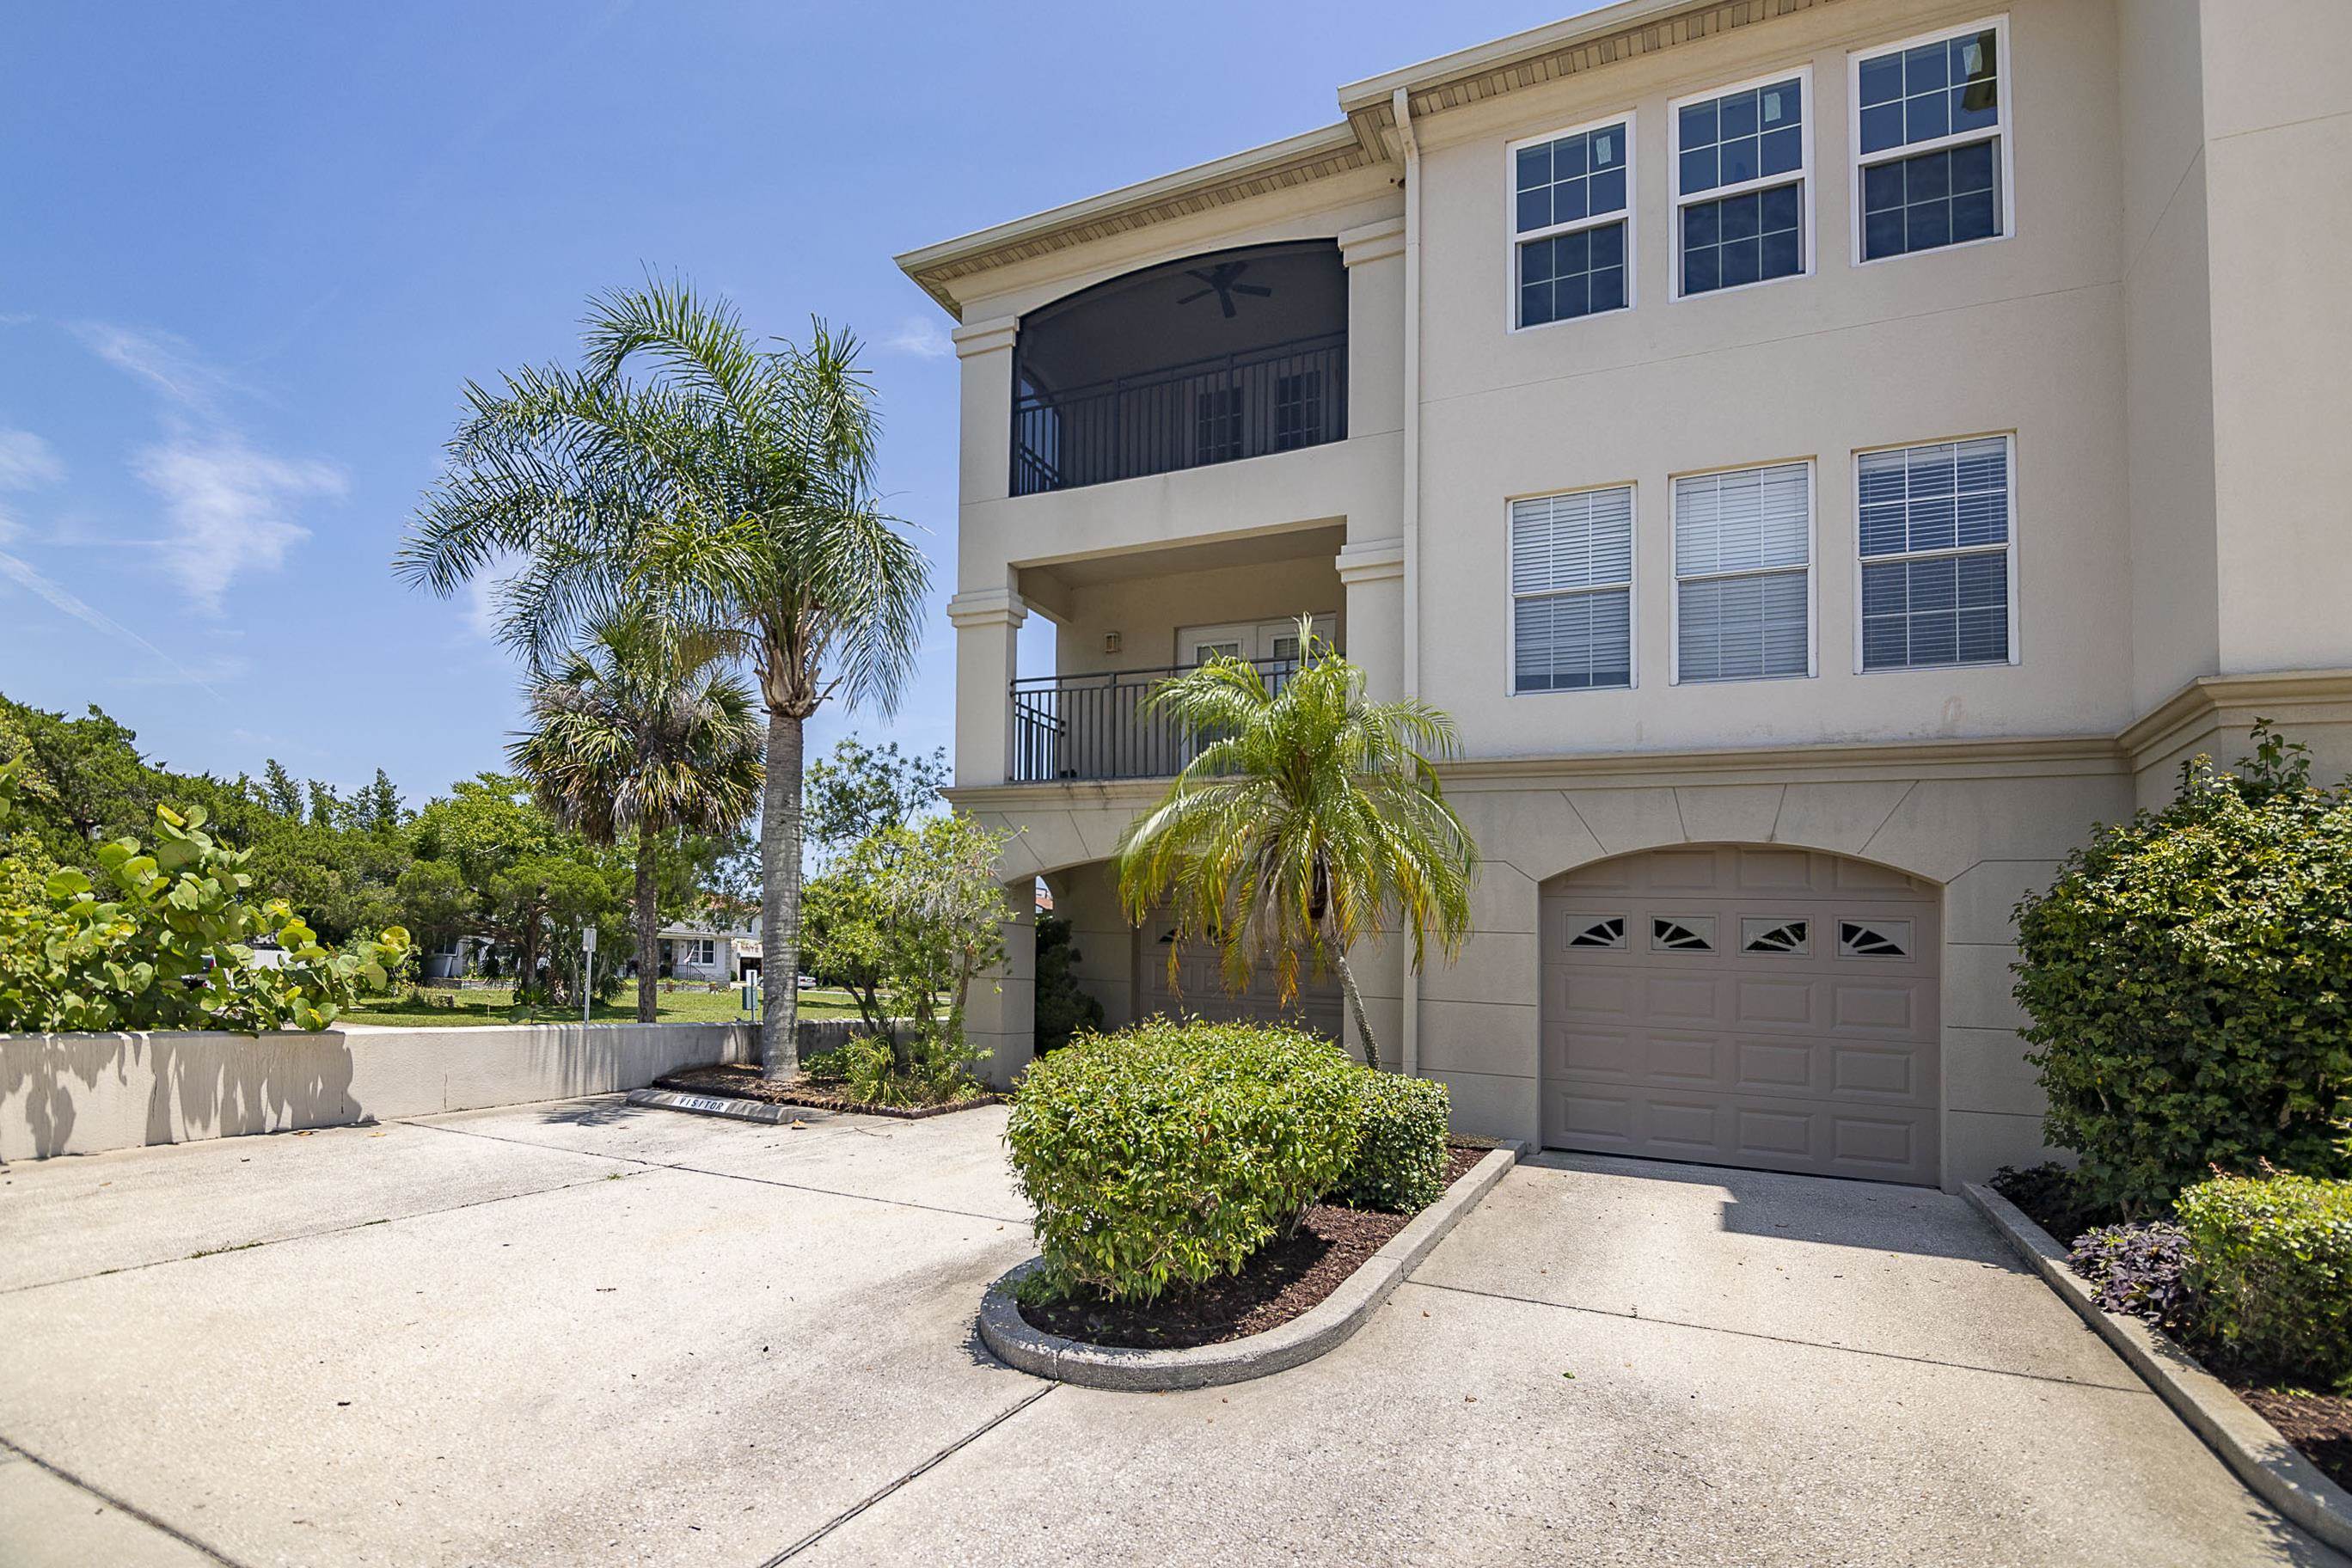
648, 927
780, 898
1356, 1009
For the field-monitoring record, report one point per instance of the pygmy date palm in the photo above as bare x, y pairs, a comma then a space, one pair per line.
1307, 813
730, 485
642, 731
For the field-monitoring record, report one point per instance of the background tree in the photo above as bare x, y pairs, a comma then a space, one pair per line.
641, 733
861, 789
279, 791
735, 484
1305, 816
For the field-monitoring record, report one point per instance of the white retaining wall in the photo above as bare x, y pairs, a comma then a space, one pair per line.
82, 1094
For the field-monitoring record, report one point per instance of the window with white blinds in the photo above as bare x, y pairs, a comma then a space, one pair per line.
1743, 558
1934, 540
1572, 591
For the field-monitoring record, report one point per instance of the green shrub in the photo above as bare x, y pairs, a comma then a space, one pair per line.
2273, 1262
1168, 1153
2189, 978
1399, 1162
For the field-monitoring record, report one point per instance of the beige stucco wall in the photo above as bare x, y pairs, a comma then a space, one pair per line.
2021, 335
2164, 334
1984, 823
85, 1094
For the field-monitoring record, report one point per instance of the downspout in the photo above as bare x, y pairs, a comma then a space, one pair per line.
1400, 105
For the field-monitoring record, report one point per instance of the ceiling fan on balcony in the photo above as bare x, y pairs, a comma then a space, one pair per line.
1220, 281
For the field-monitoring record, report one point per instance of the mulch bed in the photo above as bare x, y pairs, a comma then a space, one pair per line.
1277, 1283
2320, 1424
741, 1081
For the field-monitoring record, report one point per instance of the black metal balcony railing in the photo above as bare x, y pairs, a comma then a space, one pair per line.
1272, 399
1093, 726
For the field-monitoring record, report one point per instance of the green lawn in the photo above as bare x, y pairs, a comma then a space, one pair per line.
458, 1008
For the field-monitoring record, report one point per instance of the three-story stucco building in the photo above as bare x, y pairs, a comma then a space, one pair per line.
1826, 455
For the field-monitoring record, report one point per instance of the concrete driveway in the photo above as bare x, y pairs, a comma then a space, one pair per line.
580, 1333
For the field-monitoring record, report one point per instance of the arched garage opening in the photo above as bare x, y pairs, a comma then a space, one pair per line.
1744, 1004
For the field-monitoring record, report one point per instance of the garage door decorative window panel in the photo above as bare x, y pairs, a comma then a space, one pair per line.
1777, 1009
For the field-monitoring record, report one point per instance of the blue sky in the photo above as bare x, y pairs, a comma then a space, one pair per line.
254, 251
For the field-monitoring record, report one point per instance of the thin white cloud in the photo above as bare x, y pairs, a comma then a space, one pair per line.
922, 337
23, 574
27, 461
228, 667
230, 507
165, 360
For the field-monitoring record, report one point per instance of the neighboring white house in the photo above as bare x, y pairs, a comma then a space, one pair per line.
706, 950
1826, 456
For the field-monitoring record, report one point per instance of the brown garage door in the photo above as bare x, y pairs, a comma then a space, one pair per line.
1743, 1006
1200, 989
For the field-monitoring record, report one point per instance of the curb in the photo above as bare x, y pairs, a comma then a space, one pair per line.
716, 1105
2250, 1446
1311, 1335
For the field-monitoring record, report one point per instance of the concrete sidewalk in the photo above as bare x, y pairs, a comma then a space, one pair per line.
582, 1333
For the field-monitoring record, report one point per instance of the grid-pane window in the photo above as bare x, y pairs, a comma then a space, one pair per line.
1572, 591
1570, 224
1934, 540
1739, 173
1929, 119
1743, 557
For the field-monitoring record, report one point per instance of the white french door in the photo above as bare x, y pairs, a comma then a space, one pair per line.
1245, 639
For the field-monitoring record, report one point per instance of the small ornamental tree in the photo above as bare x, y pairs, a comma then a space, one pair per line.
2189, 978
910, 916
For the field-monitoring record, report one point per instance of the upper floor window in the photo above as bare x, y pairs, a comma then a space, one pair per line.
1931, 141
1937, 565
1743, 574
1741, 159
1570, 223
1572, 591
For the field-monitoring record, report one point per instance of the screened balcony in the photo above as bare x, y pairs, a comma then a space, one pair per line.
1207, 360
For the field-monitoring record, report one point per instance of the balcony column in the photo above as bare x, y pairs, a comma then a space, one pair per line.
1372, 573
985, 349
988, 627
1001, 1009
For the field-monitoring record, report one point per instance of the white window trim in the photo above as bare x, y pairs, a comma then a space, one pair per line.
1514, 238
2004, 131
1812, 557
1853, 505
1633, 593
1805, 176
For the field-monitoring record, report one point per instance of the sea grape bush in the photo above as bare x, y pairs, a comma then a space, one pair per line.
169, 943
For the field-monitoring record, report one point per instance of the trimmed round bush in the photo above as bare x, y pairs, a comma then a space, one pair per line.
1167, 1154
2189, 978
1400, 1164
2274, 1264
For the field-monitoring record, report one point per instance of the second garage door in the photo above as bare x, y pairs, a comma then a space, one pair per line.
1741, 1006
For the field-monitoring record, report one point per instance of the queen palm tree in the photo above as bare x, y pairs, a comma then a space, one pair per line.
1307, 813
730, 484
642, 732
